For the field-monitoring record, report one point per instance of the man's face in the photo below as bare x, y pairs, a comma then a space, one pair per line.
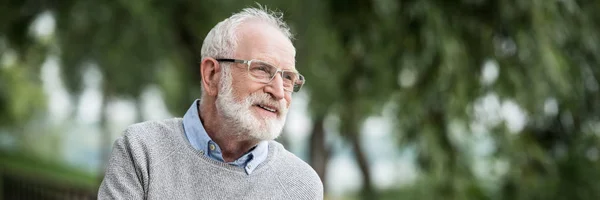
257, 108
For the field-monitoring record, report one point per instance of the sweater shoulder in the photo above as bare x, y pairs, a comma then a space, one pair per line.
153, 138
292, 161
153, 129
297, 174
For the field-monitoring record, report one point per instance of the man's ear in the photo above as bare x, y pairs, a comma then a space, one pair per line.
210, 74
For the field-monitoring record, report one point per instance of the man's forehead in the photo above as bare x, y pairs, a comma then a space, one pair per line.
258, 40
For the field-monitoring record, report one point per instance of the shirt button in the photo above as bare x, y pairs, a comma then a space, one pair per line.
202, 152
249, 166
212, 147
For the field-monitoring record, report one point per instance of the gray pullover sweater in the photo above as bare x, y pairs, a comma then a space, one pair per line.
153, 160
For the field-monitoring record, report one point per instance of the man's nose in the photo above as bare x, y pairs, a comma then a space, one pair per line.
275, 87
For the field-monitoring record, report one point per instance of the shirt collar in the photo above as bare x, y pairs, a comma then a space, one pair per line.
194, 130
199, 139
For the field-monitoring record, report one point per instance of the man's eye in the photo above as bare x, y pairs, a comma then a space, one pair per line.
288, 77
263, 68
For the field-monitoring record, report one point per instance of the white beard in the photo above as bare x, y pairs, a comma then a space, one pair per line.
240, 119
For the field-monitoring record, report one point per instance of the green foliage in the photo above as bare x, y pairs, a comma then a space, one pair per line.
21, 95
422, 57
20, 99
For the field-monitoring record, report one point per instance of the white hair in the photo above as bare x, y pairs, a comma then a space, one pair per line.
221, 41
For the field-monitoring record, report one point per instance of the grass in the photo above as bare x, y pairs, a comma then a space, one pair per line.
46, 172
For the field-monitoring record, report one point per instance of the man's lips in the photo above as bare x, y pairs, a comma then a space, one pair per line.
269, 108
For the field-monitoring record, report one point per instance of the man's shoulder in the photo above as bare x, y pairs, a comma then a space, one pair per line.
288, 158
295, 170
153, 133
148, 129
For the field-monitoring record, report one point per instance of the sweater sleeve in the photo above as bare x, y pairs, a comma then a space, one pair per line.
122, 179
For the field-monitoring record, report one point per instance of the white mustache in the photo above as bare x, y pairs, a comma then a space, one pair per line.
265, 99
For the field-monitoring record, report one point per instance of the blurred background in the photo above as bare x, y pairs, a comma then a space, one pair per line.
405, 99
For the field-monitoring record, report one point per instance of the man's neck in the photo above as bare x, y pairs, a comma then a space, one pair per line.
233, 144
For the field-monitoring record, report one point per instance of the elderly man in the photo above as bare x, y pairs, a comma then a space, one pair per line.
223, 147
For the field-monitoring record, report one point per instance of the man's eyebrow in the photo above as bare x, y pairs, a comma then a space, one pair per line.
288, 68
293, 70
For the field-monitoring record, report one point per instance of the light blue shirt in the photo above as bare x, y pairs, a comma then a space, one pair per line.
197, 136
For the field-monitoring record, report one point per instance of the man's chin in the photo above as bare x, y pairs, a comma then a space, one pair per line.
263, 129
262, 136
267, 133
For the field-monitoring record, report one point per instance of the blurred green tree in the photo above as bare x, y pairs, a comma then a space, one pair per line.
425, 58
348, 75
544, 51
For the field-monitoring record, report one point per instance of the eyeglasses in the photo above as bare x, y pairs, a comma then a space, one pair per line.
264, 72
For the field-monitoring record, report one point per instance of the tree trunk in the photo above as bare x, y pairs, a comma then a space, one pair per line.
350, 125
363, 164
447, 187
319, 152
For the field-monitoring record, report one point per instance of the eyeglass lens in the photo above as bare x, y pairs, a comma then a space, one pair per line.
265, 72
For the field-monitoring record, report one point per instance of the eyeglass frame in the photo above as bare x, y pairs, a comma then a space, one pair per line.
249, 62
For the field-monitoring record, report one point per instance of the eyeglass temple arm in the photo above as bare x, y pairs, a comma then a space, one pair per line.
231, 60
